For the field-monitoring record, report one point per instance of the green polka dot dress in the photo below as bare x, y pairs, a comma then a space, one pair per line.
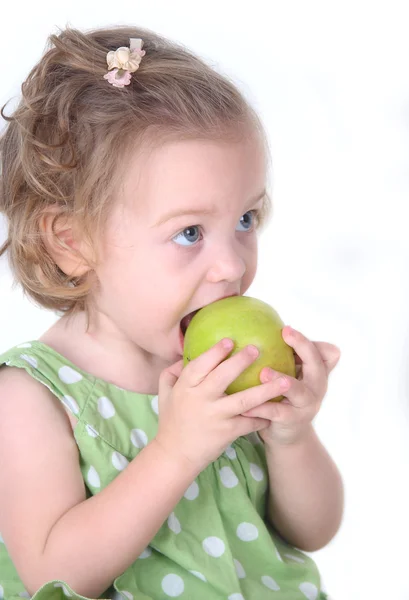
215, 545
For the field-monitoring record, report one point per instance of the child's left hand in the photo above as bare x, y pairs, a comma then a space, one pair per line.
303, 395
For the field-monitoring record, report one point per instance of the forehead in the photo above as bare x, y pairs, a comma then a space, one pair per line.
185, 173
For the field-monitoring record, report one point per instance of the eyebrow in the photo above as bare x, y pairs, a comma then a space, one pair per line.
200, 211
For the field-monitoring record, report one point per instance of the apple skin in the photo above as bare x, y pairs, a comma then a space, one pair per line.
245, 320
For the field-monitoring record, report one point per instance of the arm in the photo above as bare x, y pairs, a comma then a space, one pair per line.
50, 529
305, 501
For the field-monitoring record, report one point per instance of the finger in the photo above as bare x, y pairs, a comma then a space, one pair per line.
245, 425
227, 371
199, 368
300, 396
176, 369
278, 412
330, 354
295, 392
169, 377
313, 368
241, 402
167, 380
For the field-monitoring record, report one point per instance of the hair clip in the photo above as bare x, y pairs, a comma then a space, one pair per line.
124, 61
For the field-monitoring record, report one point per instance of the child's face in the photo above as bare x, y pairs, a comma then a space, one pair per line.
154, 269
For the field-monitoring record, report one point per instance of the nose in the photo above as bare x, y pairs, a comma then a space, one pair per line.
227, 265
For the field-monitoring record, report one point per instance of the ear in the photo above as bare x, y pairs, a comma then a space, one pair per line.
63, 243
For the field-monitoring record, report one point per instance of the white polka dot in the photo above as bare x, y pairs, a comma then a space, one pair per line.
247, 532
64, 589
1, 592
146, 553
1, 539
27, 595
279, 556
296, 559
139, 438
173, 585
228, 477
256, 472
119, 461
93, 477
192, 491
174, 523
270, 583
309, 590
27, 345
199, 575
91, 431
235, 597
230, 452
68, 375
213, 546
8, 362
241, 573
105, 407
71, 404
30, 359
126, 594
155, 404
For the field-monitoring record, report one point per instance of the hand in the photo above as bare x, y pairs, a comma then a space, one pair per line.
197, 420
291, 418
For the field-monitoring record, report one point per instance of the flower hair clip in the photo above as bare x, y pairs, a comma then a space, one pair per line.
124, 61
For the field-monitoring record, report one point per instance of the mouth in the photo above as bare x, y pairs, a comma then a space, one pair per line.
184, 323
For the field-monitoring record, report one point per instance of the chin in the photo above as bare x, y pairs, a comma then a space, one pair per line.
174, 348
173, 357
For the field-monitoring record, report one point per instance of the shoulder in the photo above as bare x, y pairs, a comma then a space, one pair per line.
24, 399
34, 426
40, 475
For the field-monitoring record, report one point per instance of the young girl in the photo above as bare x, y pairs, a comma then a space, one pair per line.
133, 183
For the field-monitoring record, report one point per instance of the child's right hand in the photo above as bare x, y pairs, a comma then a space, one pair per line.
197, 420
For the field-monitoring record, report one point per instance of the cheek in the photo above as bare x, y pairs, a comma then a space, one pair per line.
247, 280
120, 274
251, 266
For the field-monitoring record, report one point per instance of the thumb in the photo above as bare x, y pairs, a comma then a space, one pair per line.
330, 354
169, 377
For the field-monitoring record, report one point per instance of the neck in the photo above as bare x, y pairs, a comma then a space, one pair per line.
105, 352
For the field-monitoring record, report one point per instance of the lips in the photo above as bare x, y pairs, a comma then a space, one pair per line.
184, 323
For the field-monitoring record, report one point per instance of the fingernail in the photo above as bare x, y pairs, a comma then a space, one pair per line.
228, 344
252, 350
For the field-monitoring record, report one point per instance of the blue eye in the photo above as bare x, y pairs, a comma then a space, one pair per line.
247, 220
191, 235
188, 236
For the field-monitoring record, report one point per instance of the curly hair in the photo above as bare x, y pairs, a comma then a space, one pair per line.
65, 142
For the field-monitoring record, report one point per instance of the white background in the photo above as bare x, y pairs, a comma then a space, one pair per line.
331, 82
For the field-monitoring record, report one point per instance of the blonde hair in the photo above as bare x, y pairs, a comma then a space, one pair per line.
66, 140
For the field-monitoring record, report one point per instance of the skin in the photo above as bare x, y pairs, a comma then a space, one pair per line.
150, 275
134, 325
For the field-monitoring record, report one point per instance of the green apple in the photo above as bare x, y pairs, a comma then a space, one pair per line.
245, 320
